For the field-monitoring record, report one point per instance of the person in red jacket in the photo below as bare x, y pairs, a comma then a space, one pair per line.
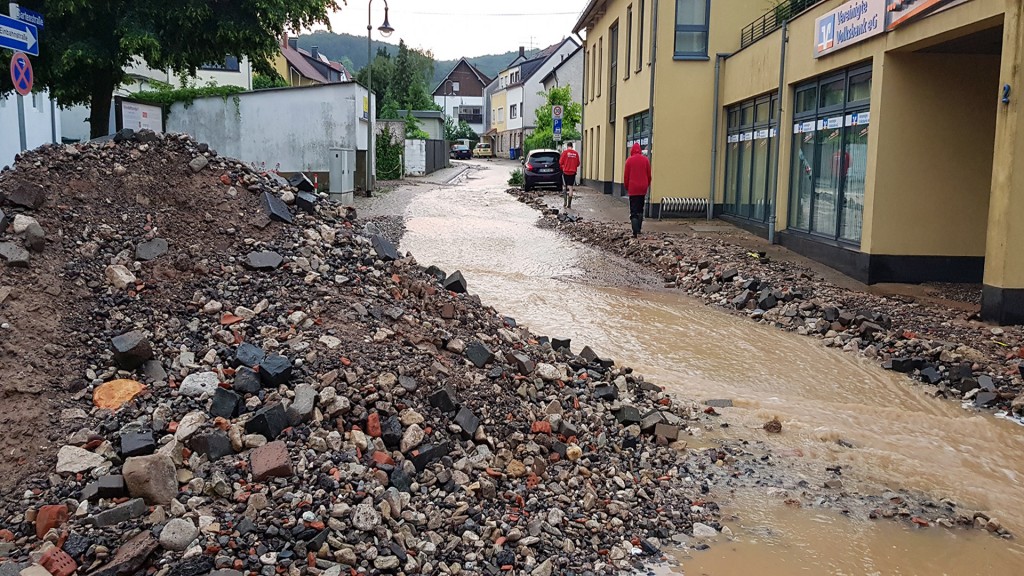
569, 163
637, 179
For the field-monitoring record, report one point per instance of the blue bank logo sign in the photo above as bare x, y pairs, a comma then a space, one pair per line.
850, 23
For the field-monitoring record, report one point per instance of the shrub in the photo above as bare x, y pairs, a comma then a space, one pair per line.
517, 178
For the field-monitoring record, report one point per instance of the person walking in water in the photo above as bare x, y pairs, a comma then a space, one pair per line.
637, 179
569, 163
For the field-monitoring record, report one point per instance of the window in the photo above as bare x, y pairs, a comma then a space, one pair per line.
586, 74
640, 41
831, 124
600, 63
613, 68
691, 40
638, 130
230, 64
751, 131
512, 111
455, 87
629, 39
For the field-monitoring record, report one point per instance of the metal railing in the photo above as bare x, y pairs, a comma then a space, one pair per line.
472, 118
772, 20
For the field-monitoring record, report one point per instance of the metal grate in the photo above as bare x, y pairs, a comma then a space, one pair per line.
679, 205
772, 20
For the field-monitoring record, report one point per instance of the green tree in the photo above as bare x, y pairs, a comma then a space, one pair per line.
382, 67
543, 135
87, 45
272, 80
460, 131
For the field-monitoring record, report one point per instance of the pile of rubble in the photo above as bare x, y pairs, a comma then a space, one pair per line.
230, 383
963, 358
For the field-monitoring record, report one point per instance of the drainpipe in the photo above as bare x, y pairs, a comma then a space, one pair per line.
583, 101
714, 135
650, 105
778, 131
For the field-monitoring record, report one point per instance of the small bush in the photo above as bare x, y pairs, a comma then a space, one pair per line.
517, 178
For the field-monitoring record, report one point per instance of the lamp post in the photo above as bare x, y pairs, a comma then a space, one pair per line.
385, 31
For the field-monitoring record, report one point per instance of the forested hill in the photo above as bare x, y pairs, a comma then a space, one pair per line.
351, 51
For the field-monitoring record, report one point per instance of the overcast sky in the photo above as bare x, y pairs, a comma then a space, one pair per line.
454, 28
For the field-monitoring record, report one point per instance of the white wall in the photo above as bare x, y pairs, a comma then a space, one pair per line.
569, 74
533, 86
40, 124
293, 127
451, 105
514, 96
241, 78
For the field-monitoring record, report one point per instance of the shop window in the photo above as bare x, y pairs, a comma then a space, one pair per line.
691, 41
751, 130
829, 158
638, 130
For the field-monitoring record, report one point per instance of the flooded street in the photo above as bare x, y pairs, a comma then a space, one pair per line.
893, 434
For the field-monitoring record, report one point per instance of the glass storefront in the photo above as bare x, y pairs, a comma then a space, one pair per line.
751, 130
831, 119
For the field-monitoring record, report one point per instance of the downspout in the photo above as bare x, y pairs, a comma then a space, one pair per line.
714, 135
583, 101
772, 218
650, 105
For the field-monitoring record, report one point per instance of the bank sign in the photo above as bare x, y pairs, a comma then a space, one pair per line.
850, 23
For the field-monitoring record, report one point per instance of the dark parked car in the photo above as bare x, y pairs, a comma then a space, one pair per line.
540, 168
460, 152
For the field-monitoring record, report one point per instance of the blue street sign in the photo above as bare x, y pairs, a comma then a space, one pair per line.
30, 16
18, 36
557, 128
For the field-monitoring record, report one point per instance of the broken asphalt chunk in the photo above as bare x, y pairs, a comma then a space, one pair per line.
275, 208
268, 422
455, 283
479, 354
467, 421
384, 248
131, 349
264, 260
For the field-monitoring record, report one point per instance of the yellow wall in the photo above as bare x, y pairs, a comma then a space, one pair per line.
1004, 264
285, 70
935, 124
498, 101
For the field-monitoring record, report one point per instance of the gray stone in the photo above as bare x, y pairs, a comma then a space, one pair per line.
199, 384
478, 354
247, 381
306, 201
154, 371
177, 534
111, 486
214, 444
985, 399
607, 393
561, 343
151, 478
26, 195
122, 513
275, 370
137, 443
198, 163
384, 248
151, 250
365, 517
265, 260
225, 403
5, 221
667, 431
249, 355
719, 403
13, 255
72, 460
467, 421
437, 273
444, 399
131, 349
301, 408
268, 422
35, 237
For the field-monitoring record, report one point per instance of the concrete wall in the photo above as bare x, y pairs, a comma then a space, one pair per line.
570, 74
42, 124
933, 167
292, 126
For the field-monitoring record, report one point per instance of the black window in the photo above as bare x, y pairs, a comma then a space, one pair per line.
230, 64
613, 68
831, 121
692, 20
629, 39
640, 35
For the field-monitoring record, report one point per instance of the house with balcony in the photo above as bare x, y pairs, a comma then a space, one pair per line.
515, 95
880, 137
461, 95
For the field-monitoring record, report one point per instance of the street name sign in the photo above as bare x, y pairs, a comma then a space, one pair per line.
25, 15
18, 36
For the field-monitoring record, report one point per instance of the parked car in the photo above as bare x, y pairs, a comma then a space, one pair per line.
540, 168
483, 150
460, 152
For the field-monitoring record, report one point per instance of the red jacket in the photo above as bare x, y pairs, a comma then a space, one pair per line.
637, 177
570, 161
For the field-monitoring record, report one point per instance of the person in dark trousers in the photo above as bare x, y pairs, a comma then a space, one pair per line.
569, 163
637, 179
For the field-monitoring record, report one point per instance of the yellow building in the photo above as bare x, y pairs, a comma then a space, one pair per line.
894, 151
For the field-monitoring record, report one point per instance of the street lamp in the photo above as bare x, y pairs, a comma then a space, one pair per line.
385, 31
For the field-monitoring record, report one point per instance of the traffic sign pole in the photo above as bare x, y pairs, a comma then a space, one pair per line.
22, 77
21, 122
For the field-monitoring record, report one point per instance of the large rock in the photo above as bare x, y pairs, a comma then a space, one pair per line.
119, 277
275, 208
26, 195
455, 283
131, 349
268, 422
151, 250
178, 534
198, 163
35, 237
270, 461
72, 460
225, 403
214, 444
121, 513
265, 260
275, 370
249, 355
199, 384
479, 354
384, 248
13, 255
301, 408
247, 381
151, 478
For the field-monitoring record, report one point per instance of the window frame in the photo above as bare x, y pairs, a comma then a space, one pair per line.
613, 70
741, 126
640, 37
705, 28
223, 66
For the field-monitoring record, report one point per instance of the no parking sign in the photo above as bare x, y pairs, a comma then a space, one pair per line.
21, 73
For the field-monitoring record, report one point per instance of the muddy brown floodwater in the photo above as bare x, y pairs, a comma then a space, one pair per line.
894, 435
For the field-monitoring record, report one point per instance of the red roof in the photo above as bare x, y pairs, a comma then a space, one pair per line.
301, 61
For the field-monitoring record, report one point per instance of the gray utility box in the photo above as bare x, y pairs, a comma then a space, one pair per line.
342, 167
